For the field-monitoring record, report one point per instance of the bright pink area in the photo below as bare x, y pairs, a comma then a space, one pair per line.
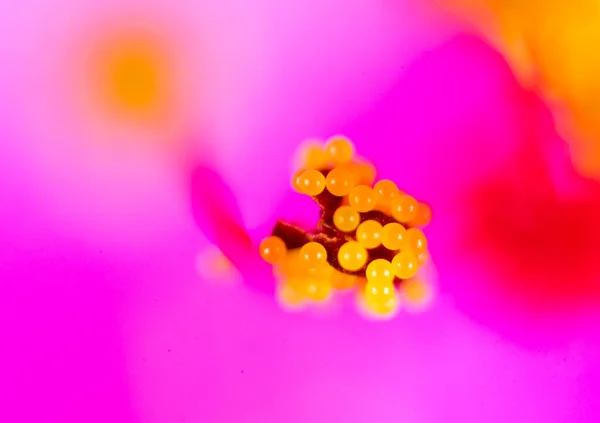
250, 361
88, 336
62, 358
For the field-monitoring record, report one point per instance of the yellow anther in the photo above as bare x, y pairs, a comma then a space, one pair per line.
312, 182
423, 216
339, 149
362, 198
352, 256
272, 249
393, 236
405, 264
340, 181
346, 219
313, 255
385, 192
380, 299
417, 241
404, 208
379, 272
297, 181
368, 234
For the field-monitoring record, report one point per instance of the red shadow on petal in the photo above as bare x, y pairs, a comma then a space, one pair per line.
541, 245
217, 215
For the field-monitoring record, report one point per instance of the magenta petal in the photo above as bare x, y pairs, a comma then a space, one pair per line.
448, 119
216, 213
61, 325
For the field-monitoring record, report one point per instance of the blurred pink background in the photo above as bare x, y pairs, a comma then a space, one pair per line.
103, 313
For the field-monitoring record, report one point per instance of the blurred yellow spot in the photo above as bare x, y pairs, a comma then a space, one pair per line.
298, 284
316, 288
342, 281
363, 171
310, 155
422, 257
214, 266
132, 75
378, 302
416, 293
366, 172
288, 297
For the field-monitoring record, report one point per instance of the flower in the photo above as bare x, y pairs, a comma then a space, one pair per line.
460, 131
368, 235
499, 182
116, 320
